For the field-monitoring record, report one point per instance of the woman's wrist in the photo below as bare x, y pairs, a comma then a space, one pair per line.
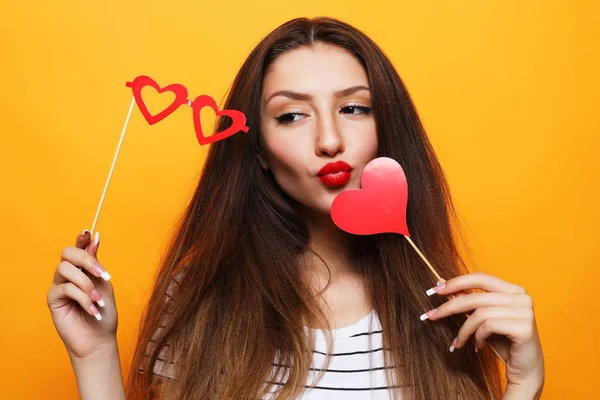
105, 351
528, 391
99, 374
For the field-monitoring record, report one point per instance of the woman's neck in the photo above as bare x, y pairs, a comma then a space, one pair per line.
332, 245
340, 285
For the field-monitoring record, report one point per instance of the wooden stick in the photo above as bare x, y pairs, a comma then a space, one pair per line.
450, 295
113, 165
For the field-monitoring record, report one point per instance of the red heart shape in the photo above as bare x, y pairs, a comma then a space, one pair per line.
380, 206
238, 118
142, 81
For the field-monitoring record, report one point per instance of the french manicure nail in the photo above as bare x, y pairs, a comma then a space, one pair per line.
99, 270
96, 312
85, 231
97, 239
106, 276
428, 314
97, 297
440, 285
454, 342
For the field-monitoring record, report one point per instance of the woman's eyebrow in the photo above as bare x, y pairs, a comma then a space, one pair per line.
304, 96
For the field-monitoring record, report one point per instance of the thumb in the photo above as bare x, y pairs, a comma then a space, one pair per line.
94, 244
83, 239
91, 245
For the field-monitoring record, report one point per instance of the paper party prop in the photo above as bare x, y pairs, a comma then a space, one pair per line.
142, 81
237, 117
379, 207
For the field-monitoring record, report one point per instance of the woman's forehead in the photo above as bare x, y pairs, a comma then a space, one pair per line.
318, 70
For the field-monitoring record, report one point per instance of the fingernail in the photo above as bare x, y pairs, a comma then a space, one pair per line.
428, 314
476, 350
99, 270
106, 276
97, 239
96, 312
97, 297
85, 232
454, 342
440, 285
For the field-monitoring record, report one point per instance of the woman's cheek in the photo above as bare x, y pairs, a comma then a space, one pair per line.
369, 142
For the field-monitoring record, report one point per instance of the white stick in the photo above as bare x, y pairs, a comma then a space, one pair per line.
113, 165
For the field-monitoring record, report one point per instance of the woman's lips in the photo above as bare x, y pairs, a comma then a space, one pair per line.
335, 174
336, 178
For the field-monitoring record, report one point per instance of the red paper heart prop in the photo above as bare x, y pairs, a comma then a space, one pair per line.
238, 118
380, 206
142, 81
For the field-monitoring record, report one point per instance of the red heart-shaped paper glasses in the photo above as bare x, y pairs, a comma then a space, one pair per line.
237, 117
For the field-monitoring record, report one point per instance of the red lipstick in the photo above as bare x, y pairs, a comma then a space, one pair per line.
335, 174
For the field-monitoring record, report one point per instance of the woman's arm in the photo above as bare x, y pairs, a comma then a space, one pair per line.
529, 392
99, 375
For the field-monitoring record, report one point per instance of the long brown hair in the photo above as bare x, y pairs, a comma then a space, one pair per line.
228, 297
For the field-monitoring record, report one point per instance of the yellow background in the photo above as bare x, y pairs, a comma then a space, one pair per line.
507, 90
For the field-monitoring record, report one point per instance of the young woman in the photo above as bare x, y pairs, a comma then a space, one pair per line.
260, 295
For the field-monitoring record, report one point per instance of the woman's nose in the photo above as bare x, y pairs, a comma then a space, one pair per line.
329, 139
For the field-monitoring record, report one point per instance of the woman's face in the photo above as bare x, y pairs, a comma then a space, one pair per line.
316, 110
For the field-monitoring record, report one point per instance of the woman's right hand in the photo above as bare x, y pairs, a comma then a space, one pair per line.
78, 291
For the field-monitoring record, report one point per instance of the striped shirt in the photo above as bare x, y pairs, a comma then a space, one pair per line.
356, 368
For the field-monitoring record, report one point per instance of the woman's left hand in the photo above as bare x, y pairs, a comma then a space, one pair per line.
503, 309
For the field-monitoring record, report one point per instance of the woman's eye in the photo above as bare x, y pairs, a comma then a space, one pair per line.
291, 117
287, 118
352, 109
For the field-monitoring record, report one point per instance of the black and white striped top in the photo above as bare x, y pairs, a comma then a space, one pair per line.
356, 368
